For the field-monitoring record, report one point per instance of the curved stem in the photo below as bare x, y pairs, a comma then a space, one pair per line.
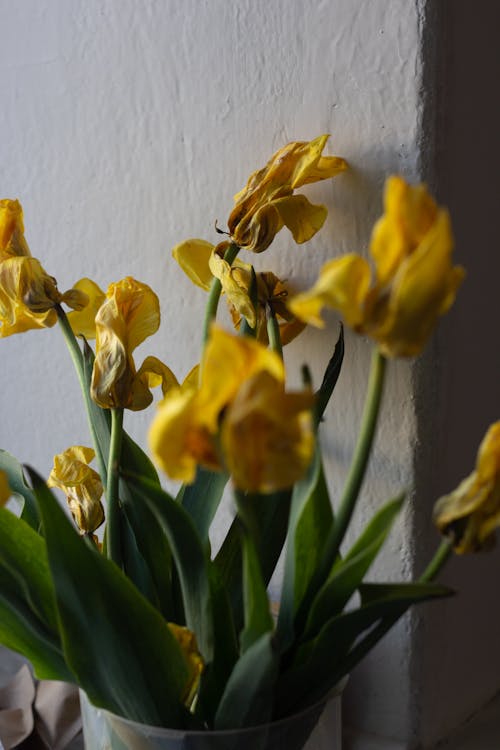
77, 357
113, 536
360, 458
215, 292
441, 556
273, 332
352, 486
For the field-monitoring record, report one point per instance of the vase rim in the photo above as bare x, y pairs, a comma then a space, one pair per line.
335, 692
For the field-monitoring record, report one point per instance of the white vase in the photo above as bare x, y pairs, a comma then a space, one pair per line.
316, 728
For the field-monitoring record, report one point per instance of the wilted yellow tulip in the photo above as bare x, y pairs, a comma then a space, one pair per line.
271, 293
82, 486
267, 203
5, 491
470, 514
414, 281
187, 641
239, 419
28, 295
12, 240
267, 435
129, 314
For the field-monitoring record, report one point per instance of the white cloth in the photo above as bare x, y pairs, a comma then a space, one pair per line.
46, 709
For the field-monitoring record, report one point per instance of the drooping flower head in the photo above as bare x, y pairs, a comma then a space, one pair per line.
268, 203
28, 295
414, 282
203, 262
82, 486
470, 514
129, 314
240, 419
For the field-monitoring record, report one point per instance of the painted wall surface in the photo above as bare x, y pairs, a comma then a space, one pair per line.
127, 126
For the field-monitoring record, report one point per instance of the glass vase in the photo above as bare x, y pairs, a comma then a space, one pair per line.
316, 728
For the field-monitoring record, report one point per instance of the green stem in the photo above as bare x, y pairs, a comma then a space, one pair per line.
113, 535
77, 357
441, 556
352, 486
215, 292
273, 332
360, 458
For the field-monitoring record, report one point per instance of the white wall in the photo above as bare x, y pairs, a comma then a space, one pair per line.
128, 125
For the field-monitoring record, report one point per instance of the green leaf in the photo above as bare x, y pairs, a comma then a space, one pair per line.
22, 631
319, 663
215, 675
330, 377
153, 552
15, 476
247, 699
381, 595
271, 513
202, 498
310, 522
258, 619
117, 645
23, 554
347, 574
189, 558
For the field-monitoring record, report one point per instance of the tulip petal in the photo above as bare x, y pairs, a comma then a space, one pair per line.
342, 285
471, 513
302, 218
267, 435
83, 321
193, 257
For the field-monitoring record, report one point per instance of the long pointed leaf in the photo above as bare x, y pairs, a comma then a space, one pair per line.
118, 646
330, 377
347, 574
189, 557
271, 513
15, 476
202, 498
22, 631
258, 619
318, 663
23, 553
311, 517
247, 700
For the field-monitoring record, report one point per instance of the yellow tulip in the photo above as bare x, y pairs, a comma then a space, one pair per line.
193, 257
414, 281
471, 513
129, 314
267, 203
271, 292
5, 491
239, 419
187, 641
28, 295
267, 435
82, 486
83, 321
12, 240
227, 362
203, 262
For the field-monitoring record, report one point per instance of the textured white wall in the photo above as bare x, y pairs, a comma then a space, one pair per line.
128, 125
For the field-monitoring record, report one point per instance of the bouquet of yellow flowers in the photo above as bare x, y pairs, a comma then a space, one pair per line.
149, 622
